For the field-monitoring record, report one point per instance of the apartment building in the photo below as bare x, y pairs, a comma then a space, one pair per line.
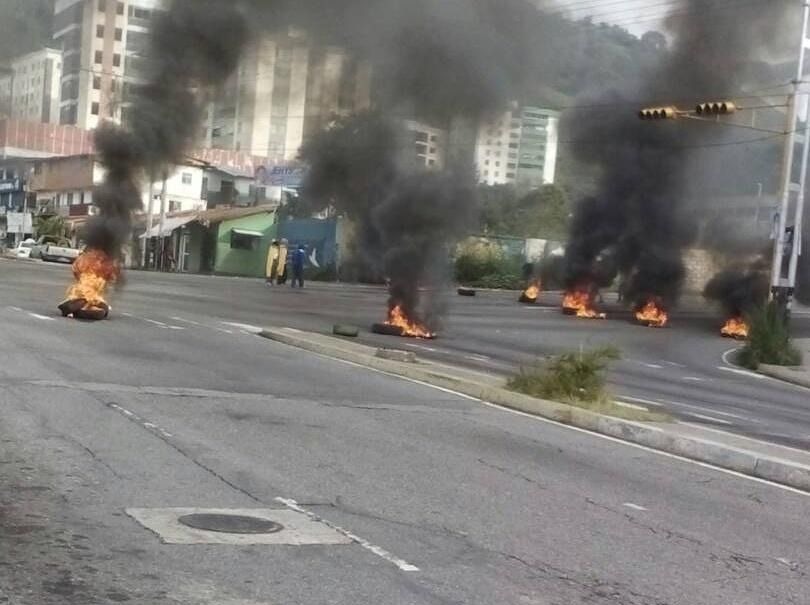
518, 148
286, 89
429, 144
29, 87
102, 43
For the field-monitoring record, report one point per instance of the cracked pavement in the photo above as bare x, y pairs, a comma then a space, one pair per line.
492, 506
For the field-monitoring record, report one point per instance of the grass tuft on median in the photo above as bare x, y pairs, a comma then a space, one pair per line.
578, 379
768, 340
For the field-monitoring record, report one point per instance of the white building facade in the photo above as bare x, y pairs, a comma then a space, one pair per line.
518, 148
29, 89
429, 144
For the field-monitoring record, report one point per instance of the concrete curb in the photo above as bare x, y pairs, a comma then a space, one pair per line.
798, 376
665, 437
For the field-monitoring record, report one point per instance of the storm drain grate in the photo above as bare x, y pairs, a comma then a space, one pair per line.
230, 524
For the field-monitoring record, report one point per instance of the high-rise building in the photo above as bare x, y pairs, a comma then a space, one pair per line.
101, 41
518, 148
286, 89
430, 144
29, 87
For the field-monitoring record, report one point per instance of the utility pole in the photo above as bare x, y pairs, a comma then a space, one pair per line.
788, 237
150, 209
162, 220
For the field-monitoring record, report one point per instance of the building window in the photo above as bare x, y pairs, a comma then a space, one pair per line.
96, 82
432, 150
119, 34
116, 60
431, 162
102, 5
99, 31
510, 175
99, 57
186, 178
70, 199
119, 9
486, 162
244, 241
94, 108
497, 164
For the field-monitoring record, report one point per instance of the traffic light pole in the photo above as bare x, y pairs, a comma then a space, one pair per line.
788, 239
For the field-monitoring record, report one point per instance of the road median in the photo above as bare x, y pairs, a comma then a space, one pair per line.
759, 459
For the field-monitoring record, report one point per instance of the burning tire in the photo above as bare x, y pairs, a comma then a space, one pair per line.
466, 292
79, 310
388, 330
526, 300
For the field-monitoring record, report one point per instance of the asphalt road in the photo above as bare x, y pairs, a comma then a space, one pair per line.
683, 369
165, 405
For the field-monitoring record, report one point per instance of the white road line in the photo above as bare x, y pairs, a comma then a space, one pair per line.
223, 330
422, 347
693, 379
654, 366
709, 418
725, 355
155, 322
691, 407
16, 309
673, 364
243, 327
634, 506
187, 321
42, 317
377, 550
149, 426
742, 372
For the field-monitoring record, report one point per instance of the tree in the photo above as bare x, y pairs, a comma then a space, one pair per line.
54, 226
542, 213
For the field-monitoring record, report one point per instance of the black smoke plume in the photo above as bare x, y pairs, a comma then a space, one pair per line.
741, 290
194, 46
636, 225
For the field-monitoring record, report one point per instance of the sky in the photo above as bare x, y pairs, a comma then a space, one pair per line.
638, 16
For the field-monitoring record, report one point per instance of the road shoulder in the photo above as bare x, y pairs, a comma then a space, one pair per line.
762, 460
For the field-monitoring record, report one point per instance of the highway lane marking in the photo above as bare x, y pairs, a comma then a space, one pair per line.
725, 355
634, 506
149, 426
665, 402
16, 309
187, 321
709, 418
742, 372
377, 550
422, 347
247, 328
693, 379
42, 317
654, 366
674, 364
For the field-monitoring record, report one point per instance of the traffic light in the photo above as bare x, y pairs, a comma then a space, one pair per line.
715, 108
658, 113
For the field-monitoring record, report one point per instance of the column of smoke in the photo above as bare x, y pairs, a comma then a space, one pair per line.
636, 225
432, 59
194, 46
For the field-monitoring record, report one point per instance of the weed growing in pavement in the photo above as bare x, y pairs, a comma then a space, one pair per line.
768, 340
578, 379
571, 378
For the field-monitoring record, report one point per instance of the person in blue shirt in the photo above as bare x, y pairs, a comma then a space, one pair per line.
298, 259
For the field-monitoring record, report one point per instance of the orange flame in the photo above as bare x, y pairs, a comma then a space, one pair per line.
410, 327
532, 293
580, 303
653, 314
735, 328
93, 271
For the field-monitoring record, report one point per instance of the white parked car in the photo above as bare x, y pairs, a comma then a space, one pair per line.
23, 249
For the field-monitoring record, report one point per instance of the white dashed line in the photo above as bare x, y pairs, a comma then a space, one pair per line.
149, 426
243, 327
691, 407
377, 550
673, 364
693, 379
42, 317
634, 506
653, 366
709, 418
16, 309
186, 321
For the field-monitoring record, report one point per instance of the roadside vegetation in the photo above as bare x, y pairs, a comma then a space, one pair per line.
768, 340
481, 264
578, 379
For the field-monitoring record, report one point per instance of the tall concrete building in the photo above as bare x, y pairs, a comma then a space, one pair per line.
429, 144
287, 88
518, 148
101, 42
29, 87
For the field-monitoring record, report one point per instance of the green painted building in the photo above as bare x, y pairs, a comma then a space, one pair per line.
242, 244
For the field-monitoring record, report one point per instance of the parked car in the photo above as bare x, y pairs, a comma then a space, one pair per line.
59, 251
23, 249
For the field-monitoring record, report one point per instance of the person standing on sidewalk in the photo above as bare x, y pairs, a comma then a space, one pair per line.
271, 268
298, 259
283, 257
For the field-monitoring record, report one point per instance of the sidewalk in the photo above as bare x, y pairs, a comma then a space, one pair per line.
797, 375
759, 459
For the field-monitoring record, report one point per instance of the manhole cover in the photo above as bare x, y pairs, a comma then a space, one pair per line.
230, 524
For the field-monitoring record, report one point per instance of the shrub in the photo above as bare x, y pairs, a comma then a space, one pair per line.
483, 265
768, 340
571, 377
